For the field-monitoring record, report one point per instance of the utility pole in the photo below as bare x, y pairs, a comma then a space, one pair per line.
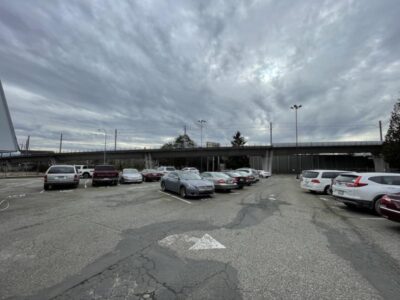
61, 140
201, 122
184, 129
105, 143
115, 140
297, 107
270, 133
380, 130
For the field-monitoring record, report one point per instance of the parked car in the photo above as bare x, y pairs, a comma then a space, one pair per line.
264, 174
61, 175
251, 173
191, 169
165, 170
106, 174
84, 171
319, 180
130, 176
390, 207
151, 175
365, 189
186, 184
222, 182
239, 178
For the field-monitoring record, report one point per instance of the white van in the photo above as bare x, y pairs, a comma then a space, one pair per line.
319, 180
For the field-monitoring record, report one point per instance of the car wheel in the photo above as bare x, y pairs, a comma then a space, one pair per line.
76, 185
377, 206
182, 192
163, 186
46, 187
85, 175
122, 180
94, 183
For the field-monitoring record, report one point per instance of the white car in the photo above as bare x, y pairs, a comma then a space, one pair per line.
250, 172
166, 170
61, 175
191, 169
130, 176
319, 180
365, 189
84, 171
264, 174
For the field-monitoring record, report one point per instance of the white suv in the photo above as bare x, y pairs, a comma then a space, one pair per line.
365, 189
165, 170
318, 180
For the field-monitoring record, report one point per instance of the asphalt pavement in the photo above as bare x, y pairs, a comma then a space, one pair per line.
268, 241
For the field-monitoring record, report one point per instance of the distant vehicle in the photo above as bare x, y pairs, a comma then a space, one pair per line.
106, 174
319, 180
190, 169
365, 189
151, 175
164, 170
390, 207
186, 184
251, 173
84, 171
61, 175
222, 182
239, 178
264, 174
130, 176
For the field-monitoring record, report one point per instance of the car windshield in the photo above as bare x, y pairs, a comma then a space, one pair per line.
219, 175
170, 168
189, 176
61, 170
130, 171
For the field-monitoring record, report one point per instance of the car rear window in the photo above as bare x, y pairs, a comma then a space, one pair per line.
104, 168
346, 178
170, 169
310, 174
330, 174
62, 170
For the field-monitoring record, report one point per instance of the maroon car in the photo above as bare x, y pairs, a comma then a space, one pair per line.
238, 178
390, 207
151, 175
105, 174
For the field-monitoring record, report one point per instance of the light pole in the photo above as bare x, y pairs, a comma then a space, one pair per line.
296, 108
201, 122
105, 143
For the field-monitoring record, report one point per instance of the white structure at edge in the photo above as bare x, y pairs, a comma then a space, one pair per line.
8, 141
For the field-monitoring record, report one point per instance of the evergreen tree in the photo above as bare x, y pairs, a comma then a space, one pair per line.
391, 146
182, 141
235, 162
238, 140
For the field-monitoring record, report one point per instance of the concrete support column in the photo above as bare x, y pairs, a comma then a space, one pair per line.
148, 162
380, 164
267, 161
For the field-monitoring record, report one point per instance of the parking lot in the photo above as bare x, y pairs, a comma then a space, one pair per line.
268, 241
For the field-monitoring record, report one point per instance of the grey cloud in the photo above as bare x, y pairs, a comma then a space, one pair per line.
148, 68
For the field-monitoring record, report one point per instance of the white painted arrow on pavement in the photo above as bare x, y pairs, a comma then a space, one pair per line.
204, 243
207, 242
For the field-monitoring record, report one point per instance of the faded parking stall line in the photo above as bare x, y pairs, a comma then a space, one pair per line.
180, 199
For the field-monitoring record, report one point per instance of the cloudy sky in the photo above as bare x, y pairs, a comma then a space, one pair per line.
148, 68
